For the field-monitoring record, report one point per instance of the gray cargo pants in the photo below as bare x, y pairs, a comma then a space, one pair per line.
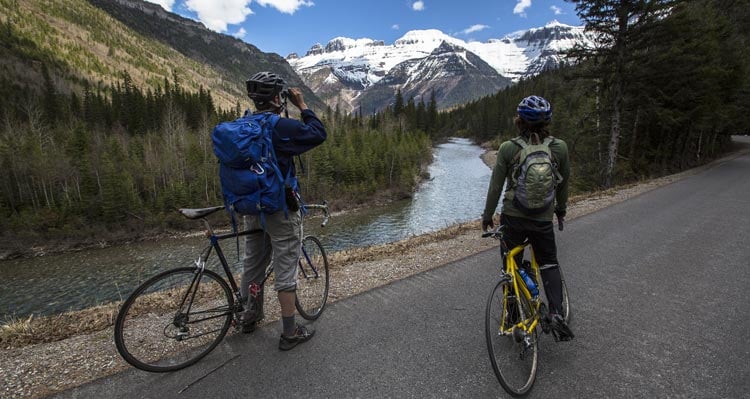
282, 241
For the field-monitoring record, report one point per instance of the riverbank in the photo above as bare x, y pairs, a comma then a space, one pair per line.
84, 349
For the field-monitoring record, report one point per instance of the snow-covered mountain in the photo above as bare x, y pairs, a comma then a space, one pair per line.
367, 72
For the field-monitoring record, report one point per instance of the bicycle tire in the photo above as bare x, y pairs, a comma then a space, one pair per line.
515, 373
312, 279
154, 332
565, 299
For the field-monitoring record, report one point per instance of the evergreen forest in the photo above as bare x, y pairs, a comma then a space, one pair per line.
664, 91
126, 159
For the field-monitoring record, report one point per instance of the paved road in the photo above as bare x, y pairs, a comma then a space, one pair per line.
657, 287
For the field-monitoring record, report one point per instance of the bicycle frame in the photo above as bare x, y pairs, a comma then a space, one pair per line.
530, 322
214, 244
214, 239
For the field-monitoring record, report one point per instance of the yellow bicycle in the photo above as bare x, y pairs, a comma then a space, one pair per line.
514, 311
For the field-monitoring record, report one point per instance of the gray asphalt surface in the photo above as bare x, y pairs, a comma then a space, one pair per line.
656, 286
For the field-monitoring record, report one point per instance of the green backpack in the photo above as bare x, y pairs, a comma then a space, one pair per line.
534, 176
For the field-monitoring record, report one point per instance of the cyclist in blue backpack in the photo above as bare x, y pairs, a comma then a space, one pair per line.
529, 204
290, 137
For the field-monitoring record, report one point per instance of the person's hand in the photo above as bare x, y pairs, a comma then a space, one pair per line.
487, 223
295, 96
560, 219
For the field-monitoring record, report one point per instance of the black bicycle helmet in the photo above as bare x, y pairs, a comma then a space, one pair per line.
535, 109
263, 86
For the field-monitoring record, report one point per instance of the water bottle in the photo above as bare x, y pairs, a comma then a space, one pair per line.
530, 284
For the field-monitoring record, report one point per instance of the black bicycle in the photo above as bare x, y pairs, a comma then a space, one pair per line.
177, 317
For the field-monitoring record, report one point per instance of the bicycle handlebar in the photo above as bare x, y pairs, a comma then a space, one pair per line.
496, 233
323, 207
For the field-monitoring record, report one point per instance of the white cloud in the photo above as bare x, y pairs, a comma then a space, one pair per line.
216, 15
418, 5
395, 27
286, 6
521, 7
557, 10
165, 4
240, 33
474, 28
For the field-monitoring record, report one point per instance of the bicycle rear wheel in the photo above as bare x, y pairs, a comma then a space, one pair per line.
513, 360
565, 298
312, 279
174, 319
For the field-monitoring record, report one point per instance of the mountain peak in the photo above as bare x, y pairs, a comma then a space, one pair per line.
425, 36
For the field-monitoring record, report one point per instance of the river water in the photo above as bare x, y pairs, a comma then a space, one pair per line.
53, 284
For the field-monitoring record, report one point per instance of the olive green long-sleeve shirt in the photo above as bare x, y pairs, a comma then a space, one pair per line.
502, 173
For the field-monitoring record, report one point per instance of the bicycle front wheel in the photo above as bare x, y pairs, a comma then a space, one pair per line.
312, 279
514, 355
174, 319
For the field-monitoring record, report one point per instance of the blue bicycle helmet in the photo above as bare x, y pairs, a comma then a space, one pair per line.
535, 109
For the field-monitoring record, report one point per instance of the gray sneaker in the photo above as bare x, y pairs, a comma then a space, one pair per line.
301, 334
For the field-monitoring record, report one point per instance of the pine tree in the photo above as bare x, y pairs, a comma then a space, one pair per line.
616, 24
398, 105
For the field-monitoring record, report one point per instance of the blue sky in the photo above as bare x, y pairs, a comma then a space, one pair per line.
286, 26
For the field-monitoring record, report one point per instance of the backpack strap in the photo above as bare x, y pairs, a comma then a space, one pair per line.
273, 119
521, 143
548, 142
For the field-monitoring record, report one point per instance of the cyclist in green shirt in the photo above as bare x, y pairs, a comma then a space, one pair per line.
534, 114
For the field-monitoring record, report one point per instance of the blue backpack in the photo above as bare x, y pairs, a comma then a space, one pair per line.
251, 180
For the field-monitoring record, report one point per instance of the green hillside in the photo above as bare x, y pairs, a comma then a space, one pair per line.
82, 45
232, 58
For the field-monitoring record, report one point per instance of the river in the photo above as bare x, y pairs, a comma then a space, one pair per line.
53, 284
